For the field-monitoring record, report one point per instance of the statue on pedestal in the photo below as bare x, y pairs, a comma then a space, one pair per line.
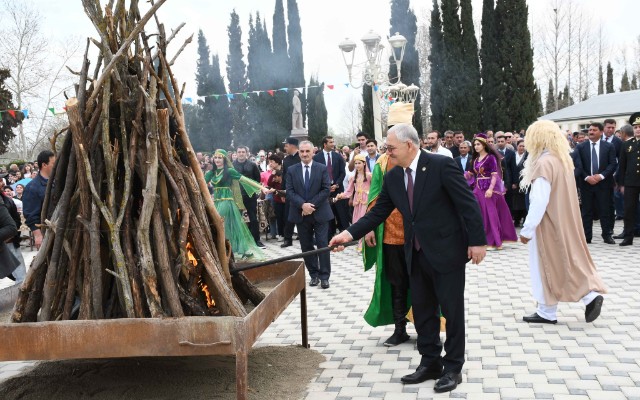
296, 115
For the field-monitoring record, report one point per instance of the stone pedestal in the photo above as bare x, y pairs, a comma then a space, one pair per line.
300, 134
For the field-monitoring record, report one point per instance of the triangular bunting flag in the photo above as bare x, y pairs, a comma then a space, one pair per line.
189, 100
270, 92
53, 111
245, 94
215, 96
375, 88
346, 85
12, 113
25, 113
285, 89
229, 96
329, 86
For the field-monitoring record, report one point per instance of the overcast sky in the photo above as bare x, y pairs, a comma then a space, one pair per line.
324, 24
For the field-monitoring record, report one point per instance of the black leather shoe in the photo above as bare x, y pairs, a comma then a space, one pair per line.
608, 240
588, 241
314, 282
627, 242
536, 319
593, 309
286, 243
448, 382
324, 284
620, 236
398, 337
422, 374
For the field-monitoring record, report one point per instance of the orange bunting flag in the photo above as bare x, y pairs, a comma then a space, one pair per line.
270, 92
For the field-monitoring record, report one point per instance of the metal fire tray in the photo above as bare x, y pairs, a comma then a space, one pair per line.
152, 337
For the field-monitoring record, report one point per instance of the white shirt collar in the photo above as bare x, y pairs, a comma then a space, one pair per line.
414, 163
304, 165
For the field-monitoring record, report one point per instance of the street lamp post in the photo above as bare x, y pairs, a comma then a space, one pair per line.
372, 73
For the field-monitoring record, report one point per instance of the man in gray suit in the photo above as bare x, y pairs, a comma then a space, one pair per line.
308, 188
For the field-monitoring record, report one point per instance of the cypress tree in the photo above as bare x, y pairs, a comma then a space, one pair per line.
471, 109
221, 116
403, 20
366, 112
316, 111
200, 118
453, 68
236, 75
609, 86
551, 103
625, 86
436, 62
600, 80
7, 121
491, 73
296, 59
539, 101
281, 105
516, 62
634, 82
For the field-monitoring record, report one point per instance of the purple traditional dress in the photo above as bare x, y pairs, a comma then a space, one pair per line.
498, 224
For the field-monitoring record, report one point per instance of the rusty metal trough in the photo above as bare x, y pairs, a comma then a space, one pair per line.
150, 337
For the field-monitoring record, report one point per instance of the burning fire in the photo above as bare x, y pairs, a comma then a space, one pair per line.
203, 286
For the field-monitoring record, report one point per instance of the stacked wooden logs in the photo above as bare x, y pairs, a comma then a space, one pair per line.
130, 228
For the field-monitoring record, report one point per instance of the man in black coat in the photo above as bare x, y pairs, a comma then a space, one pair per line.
336, 170
595, 163
438, 244
292, 158
308, 188
629, 180
251, 170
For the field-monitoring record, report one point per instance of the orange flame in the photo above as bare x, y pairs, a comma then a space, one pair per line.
190, 256
205, 289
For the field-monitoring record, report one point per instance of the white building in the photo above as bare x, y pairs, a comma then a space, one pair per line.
618, 106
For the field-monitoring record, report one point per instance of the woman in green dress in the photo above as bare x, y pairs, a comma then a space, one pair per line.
228, 201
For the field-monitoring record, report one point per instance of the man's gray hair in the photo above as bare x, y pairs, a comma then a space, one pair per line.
306, 142
466, 142
405, 133
627, 130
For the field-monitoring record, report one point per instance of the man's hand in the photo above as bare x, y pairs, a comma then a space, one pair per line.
621, 188
334, 188
308, 209
514, 186
591, 180
342, 237
524, 239
37, 238
476, 254
370, 239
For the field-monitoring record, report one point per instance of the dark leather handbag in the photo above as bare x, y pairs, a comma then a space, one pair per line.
8, 262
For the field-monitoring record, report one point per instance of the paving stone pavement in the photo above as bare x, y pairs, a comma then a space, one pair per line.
506, 358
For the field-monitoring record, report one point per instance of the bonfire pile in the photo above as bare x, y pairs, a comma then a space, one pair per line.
130, 228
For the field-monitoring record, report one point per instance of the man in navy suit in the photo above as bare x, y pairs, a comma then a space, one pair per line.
336, 170
437, 247
464, 160
595, 163
308, 189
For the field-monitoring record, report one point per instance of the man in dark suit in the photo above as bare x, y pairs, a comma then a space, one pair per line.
251, 170
308, 189
336, 170
464, 160
292, 158
437, 247
595, 163
610, 137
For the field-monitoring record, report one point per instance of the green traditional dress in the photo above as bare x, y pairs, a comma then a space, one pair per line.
380, 311
228, 202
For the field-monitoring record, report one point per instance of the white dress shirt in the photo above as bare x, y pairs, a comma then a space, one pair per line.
443, 151
303, 170
413, 166
597, 156
463, 161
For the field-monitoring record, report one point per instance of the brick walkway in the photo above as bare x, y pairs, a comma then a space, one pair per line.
506, 358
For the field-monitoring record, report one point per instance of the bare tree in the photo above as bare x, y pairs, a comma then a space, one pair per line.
554, 44
351, 118
38, 74
423, 45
